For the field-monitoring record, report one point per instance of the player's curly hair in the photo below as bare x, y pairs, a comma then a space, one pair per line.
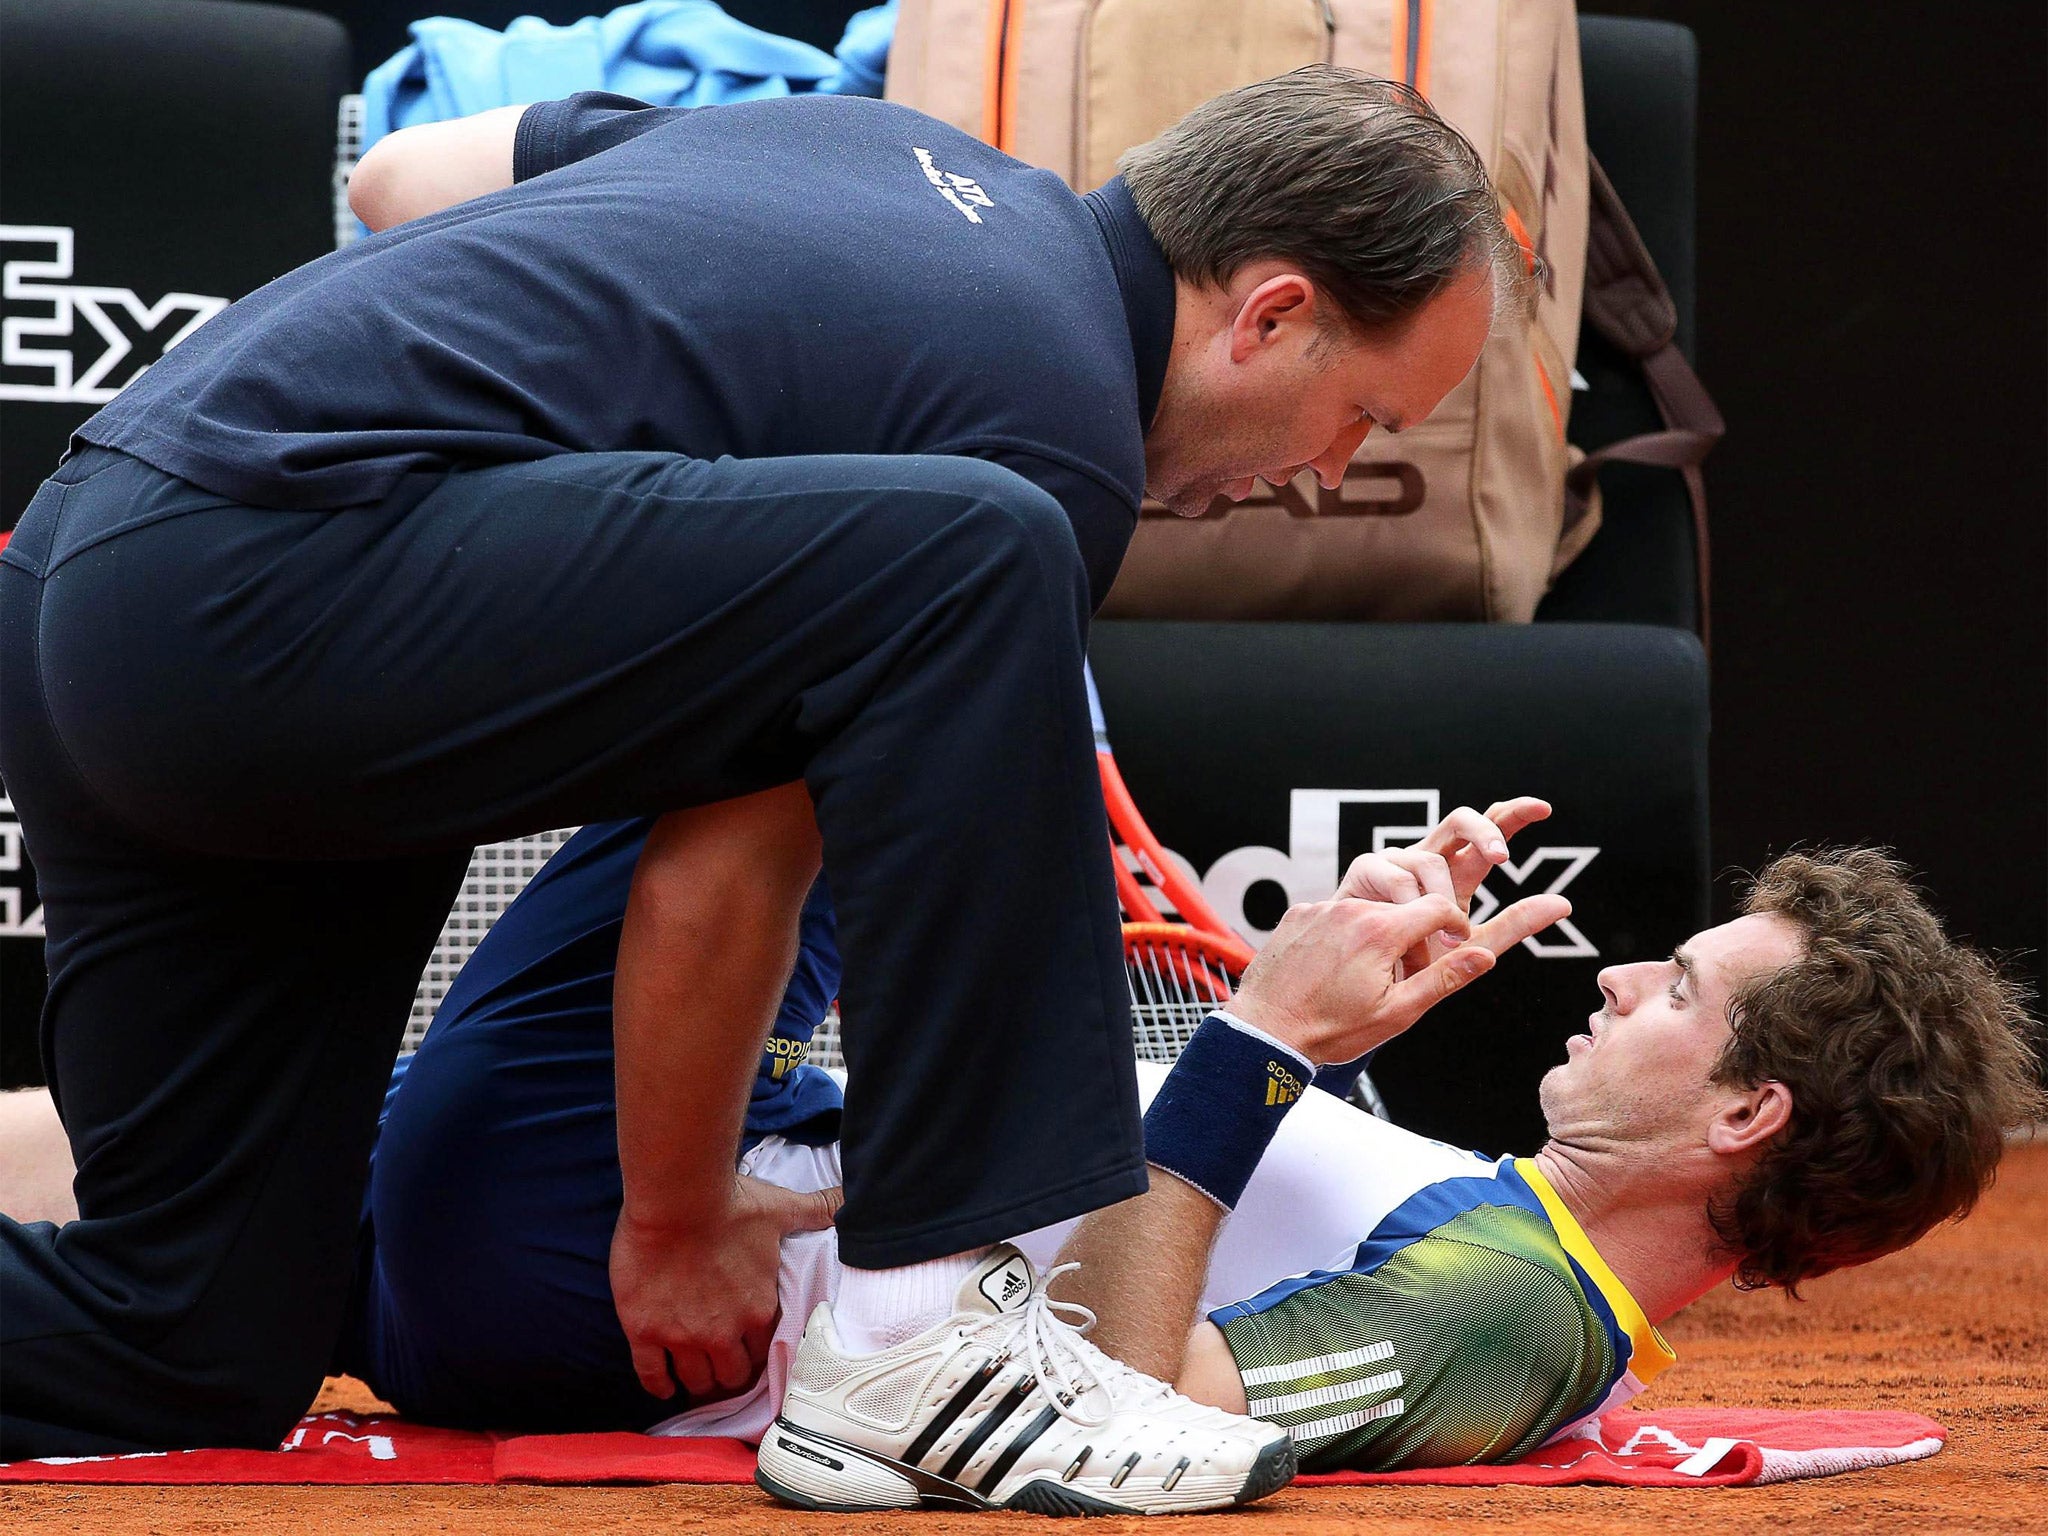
1907, 1055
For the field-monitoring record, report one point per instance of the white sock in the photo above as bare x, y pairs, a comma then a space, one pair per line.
877, 1309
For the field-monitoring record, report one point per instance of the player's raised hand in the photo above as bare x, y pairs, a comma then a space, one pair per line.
1472, 843
1333, 983
697, 1302
1452, 861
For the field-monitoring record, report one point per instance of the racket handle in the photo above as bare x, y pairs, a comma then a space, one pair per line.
1095, 716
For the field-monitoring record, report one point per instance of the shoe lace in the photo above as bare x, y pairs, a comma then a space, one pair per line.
1047, 1334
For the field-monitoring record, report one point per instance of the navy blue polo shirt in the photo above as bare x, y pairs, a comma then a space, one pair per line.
815, 274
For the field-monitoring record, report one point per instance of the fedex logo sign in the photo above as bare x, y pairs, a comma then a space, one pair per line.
17, 919
1311, 866
76, 343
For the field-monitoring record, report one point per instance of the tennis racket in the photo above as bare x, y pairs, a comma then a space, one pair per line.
1137, 859
1179, 972
1178, 976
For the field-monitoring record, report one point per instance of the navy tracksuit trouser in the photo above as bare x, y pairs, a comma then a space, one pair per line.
251, 750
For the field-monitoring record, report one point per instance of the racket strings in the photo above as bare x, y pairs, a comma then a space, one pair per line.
1175, 982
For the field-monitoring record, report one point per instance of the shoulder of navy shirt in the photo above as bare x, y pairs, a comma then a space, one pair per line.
805, 275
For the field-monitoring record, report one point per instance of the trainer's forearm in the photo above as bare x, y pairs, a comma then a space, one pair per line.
1143, 1264
710, 936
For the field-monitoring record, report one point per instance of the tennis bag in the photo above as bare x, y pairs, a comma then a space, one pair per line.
1468, 515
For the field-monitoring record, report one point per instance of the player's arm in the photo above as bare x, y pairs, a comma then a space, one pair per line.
421, 170
1329, 986
1328, 980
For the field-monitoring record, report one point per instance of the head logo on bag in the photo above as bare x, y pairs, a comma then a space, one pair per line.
1388, 489
1470, 514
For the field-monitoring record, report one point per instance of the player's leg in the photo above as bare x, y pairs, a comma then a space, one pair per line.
35, 1159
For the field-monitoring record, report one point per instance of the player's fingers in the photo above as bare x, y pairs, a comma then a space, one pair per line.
1472, 844
693, 1370
1431, 870
1465, 825
1409, 1000
1432, 873
807, 1210
650, 1364
759, 1338
1413, 923
1378, 877
1525, 919
1511, 816
824, 1208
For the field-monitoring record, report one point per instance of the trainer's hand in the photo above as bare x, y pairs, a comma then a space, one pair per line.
1331, 981
698, 1302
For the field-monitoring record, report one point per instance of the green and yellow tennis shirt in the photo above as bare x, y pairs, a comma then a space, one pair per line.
1473, 1323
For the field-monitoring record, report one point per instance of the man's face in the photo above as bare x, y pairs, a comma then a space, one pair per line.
1263, 385
1640, 1075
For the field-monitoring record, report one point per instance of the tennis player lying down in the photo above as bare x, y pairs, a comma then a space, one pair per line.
1392, 1301
1810, 1086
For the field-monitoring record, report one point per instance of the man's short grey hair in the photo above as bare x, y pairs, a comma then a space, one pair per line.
1353, 179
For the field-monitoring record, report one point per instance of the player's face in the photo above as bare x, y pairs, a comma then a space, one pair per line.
1271, 393
1641, 1072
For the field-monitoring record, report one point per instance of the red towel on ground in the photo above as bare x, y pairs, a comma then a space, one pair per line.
1673, 1448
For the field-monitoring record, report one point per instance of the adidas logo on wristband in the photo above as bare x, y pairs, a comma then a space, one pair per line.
1282, 1086
1209, 1123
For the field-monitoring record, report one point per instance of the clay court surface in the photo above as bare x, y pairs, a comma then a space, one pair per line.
1957, 1329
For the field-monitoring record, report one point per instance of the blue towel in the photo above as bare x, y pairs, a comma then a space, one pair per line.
668, 52
863, 52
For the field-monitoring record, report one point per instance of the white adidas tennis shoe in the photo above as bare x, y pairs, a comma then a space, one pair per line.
1006, 1406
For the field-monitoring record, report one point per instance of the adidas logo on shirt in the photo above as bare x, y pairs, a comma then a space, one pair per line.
785, 1056
963, 192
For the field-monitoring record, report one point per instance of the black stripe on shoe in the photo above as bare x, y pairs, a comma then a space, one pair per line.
1010, 1402
999, 1468
933, 1492
943, 1420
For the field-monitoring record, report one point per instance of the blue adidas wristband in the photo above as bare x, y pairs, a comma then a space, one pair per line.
1216, 1113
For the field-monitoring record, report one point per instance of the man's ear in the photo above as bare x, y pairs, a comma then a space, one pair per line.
1747, 1123
1284, 300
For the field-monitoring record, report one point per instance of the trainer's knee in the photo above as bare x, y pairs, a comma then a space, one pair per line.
255, 1416
1006, 515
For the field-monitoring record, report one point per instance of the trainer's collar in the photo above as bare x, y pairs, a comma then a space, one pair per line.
1146, 282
